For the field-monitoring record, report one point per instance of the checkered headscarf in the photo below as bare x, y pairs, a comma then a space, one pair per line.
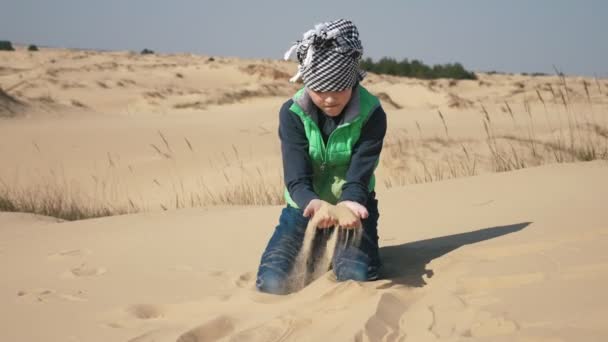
329, 56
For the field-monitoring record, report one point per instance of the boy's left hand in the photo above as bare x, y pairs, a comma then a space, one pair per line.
357, 208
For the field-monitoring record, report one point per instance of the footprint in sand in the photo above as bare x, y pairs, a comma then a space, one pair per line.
245, 280
45, 295
213, 330
115, 325
131, 315
217, 273
85, 271
146, 311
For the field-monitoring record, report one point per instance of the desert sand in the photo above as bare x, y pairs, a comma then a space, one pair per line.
491, 193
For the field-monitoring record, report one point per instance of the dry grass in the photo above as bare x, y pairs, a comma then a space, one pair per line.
555, 130
112, 193
252, 188
55, 196
70, 202
575, 134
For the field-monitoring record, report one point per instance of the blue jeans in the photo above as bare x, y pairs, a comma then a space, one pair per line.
351, 262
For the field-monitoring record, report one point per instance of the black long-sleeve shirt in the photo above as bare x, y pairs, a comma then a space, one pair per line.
297, 166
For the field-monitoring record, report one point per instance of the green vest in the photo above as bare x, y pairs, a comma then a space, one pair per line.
330, 161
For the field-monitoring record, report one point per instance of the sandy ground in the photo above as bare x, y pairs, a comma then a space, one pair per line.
503, 257
510, 256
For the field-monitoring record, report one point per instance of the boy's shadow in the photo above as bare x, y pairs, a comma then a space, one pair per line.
406, 264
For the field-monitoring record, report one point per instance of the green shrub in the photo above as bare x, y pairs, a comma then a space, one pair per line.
6, 45
147, 52
32, 48
417, 69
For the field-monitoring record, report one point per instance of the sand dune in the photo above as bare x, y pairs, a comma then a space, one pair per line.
126, 82
501, 257
492, 216
108, 110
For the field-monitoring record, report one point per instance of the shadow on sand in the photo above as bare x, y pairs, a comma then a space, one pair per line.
406, 264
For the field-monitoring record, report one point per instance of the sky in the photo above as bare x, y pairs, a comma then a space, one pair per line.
483, 35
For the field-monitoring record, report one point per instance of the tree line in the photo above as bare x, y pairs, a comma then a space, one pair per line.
417, 69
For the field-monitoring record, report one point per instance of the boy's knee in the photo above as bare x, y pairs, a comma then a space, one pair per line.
270, 281
352, 270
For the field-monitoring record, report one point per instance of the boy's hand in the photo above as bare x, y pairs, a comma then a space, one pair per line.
359, 210
319, 210
312, 207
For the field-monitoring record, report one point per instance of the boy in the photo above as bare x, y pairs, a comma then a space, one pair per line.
331, 135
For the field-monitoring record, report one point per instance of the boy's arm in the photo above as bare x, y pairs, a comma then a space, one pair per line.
297, 167
364, 158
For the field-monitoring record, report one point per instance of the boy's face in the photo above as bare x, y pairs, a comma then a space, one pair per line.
331, 102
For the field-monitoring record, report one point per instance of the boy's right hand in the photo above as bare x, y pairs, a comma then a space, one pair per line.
314, 207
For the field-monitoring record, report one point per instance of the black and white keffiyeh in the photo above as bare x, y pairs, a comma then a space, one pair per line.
329, 56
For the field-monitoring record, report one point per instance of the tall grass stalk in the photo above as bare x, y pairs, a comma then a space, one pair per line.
575, 134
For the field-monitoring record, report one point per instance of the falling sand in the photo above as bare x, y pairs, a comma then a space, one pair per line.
320, 244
